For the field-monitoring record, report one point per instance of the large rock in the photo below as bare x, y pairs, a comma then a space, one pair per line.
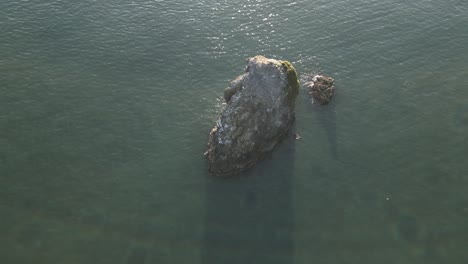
259, 112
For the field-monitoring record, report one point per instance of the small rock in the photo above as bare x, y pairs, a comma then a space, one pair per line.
296, 136
321, 88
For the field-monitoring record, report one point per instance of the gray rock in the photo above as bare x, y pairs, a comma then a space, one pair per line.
259, 113
321, 88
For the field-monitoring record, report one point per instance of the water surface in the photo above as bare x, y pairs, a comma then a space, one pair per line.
106, 106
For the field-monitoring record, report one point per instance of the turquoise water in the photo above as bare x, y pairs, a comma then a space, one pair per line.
106, 106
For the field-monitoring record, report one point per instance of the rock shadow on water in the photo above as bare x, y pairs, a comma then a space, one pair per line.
326, 111
249, 218
326, 115
327, 118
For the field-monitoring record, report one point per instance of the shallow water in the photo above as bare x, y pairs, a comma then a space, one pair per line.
106, 108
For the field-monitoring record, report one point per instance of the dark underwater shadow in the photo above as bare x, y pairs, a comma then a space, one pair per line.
327, 118
249, 217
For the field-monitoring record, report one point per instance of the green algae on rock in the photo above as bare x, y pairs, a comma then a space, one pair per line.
292, 80
258, 114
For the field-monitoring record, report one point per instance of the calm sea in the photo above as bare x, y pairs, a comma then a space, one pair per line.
105, 109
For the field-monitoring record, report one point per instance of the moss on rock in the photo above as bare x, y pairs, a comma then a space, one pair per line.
293, 82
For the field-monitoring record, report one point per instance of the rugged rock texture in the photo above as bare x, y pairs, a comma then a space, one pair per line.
321, 88
259, 112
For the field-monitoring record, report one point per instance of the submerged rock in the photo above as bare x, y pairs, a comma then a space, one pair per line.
259, 113
321, 88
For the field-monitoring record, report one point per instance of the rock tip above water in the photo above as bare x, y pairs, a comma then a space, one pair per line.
258, 114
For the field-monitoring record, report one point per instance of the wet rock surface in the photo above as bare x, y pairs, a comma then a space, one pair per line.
321, 88
258, 114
